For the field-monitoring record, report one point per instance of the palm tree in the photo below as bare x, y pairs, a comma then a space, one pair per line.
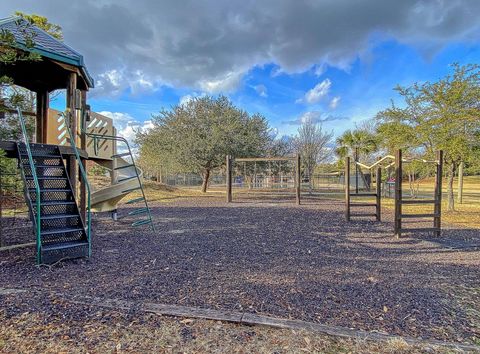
361, 139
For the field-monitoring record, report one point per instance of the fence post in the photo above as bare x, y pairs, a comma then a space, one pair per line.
398, 193
437, 219
299, 177
379, 193
347, 188
229, 179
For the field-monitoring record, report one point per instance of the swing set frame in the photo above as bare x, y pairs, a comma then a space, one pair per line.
230, 161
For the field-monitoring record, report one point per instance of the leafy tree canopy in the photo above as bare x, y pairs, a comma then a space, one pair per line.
196, 136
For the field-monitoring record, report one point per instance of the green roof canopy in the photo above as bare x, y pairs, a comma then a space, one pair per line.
57, 59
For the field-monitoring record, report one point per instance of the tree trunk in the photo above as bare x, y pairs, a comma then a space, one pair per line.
450, 199
206, 177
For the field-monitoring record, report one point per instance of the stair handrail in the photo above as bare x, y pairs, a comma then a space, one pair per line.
66, 117
122, 139
38, 215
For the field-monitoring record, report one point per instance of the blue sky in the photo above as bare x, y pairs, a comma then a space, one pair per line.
336, 62
363, 89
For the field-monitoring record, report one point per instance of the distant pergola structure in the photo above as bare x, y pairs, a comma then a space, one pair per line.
60, 67
230, 161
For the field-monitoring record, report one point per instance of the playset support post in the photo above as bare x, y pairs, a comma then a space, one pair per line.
229, 179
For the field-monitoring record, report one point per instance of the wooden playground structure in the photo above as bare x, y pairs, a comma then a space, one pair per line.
53, 167
397, 162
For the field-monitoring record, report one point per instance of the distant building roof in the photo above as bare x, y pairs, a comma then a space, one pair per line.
45, 44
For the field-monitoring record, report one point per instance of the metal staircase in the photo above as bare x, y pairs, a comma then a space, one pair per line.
60, 230
127, 179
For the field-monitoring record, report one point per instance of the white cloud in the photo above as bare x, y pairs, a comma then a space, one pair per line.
334, 102
224, 84
185, 99
126, 125
188, 97
314, 117
143, 44
320, 69
261, 90
317, 93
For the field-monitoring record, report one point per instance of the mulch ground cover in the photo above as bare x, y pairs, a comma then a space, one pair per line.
301, 262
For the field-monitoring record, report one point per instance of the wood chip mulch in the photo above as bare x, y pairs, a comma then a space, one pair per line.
277, 259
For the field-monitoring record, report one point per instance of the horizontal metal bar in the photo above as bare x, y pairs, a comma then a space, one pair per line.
125, 166
141, 222
363, 194
420, 215
136, 200
366, 214
127, 178
131, 189
120, 155
259, 159
362, 204
419, 201
138, 211
421, 229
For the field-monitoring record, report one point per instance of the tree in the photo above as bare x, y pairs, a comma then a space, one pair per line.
196, 136
43, 23
12, 95
359, 138
311, 143
443, 115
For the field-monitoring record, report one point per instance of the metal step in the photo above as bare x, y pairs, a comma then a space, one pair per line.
136, 200
34, 155
127, 178
131, 189
46, 178
55, 202
138, 211
126, 166
65, 230
141, 222
64, 245
120, 155
59, 216
44, 166
47, 190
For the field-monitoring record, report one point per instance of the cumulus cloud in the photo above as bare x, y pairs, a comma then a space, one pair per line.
225, 83
334, 102
315, 117
210, 45
317, 93
126, 125
261, 90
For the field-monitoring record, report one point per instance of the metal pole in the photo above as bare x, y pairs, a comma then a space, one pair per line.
398, 193
379, 193
437, 221
298, 179
229, 179
356, 170
347, 188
